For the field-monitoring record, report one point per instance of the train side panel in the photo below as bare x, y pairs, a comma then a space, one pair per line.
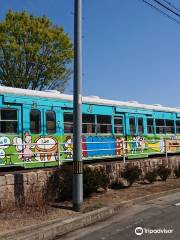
37, 132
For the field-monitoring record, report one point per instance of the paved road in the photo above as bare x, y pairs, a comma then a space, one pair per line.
156, 215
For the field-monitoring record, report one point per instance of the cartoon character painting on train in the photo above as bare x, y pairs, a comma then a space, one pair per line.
134, 145
24, 148
173, 144
46, 149
138, 144
162, 145
68, 147
120, 146
142, 143
4, 144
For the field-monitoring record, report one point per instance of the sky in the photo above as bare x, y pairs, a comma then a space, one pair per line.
130, 51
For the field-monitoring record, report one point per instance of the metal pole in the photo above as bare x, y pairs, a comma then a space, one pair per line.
124, 157
166, 153
59, 154
77, 109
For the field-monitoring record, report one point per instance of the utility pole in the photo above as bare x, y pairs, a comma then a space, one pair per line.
77, 109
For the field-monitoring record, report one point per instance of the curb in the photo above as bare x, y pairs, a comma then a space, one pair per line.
50, 230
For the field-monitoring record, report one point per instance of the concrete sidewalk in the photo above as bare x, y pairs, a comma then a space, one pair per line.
51, 229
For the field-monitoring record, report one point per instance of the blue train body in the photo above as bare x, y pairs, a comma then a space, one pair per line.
36, 128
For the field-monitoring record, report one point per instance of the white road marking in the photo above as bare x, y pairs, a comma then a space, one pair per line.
177, 204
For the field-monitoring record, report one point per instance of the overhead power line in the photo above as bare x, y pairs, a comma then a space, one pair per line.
164, 6
165, 13
171, 5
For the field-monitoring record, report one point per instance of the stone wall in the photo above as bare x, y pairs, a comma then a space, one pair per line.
21, 188
115, 169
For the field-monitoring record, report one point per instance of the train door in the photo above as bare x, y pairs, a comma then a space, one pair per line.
42, 127
141, 125
119, 132
33, 133
136, 125
67, 134
10, 130
119, 125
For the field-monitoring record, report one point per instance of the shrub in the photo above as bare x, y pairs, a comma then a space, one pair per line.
93, 179
90, 183
177, 171
65, 186
103, 178
117, 184
60, 184
151, 176
163, 172
131, 173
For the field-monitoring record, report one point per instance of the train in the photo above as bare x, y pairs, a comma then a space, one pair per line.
36, 128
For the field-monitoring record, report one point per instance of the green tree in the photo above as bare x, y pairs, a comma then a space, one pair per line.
34, 54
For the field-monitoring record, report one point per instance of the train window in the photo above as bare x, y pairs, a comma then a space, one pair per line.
160, 126
8, 121
140, 126
35, 121
169, 126
118, 125
150, 126
88, 123
132, 125
68, 123
178, 126
50, 122
104, 124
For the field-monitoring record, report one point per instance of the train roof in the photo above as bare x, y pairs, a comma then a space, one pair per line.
89, 99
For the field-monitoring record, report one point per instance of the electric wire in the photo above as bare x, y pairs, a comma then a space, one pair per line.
160, 11
164, 6
171, 5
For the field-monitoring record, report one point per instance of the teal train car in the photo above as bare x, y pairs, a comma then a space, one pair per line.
36, 128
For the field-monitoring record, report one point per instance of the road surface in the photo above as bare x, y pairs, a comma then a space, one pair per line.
156, 219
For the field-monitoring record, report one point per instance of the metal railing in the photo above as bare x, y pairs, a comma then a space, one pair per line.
62, 151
